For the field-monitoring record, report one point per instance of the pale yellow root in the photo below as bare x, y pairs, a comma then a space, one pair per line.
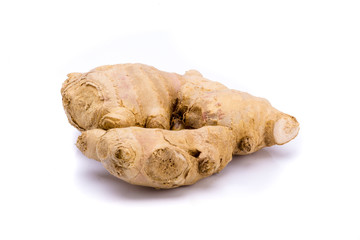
118, 97
160, 158
255, 123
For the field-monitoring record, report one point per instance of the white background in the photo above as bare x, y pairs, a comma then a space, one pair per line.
303, 56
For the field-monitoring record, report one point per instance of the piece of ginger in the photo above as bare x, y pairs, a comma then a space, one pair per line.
127, 99
160, 158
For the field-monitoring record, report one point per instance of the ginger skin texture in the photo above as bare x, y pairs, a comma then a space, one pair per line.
159, 158
165, 130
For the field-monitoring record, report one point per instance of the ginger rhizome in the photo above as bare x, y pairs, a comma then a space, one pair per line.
164, 130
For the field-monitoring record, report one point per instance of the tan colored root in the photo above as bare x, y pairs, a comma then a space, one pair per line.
160, 158
119, 97
255, 123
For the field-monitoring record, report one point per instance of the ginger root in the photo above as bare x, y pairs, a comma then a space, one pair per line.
196, 124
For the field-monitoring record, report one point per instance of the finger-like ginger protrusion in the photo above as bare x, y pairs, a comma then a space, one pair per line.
120, 96
160, 158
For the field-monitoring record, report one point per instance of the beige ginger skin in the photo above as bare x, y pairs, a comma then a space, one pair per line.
165, 130
159, 158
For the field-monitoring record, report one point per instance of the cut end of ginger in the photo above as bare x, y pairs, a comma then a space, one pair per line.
285, 129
